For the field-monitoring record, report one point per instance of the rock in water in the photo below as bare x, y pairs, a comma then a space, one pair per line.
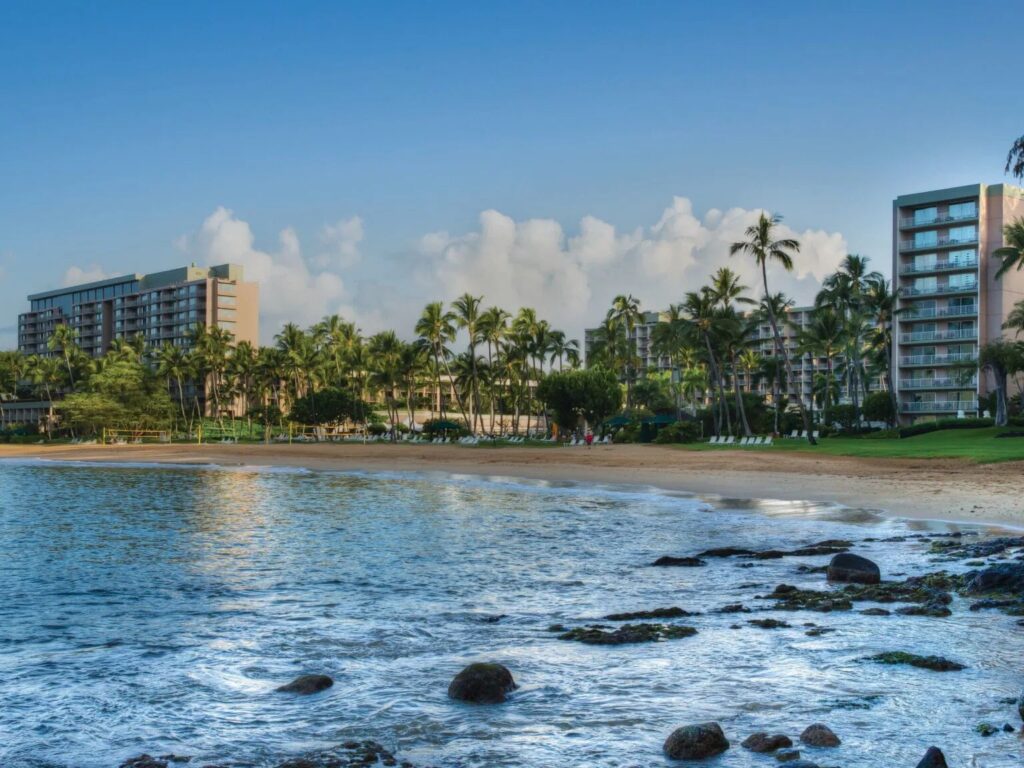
847, 567
482, 683
762, 742
144, 761
306, 685
667, 561
933, 758
819, 735
1020, 706
694, 742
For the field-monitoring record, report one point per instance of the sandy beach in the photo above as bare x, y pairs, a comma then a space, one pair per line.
937, 489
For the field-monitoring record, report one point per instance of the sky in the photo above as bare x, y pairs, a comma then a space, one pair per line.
366, 158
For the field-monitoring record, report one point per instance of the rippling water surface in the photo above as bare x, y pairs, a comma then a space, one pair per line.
156, 609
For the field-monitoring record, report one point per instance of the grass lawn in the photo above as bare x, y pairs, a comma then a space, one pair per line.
979, 445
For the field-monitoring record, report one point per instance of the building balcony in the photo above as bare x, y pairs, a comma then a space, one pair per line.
916, 314
923, 337
906, 246
938, 266
939, 290
939, 383
957, 358
915, 223
940, 406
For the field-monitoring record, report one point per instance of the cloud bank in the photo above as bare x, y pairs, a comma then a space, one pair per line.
569, 277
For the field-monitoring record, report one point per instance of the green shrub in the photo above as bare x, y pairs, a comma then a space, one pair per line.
934, 426
878, 407
844, 414
679, 432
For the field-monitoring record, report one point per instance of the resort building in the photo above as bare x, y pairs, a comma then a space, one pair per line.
640, 338
949, 300
161, 307
805, 367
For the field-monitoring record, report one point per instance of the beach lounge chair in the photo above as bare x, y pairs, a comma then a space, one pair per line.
961, 415
803, 435
713, 440
758, 441
794, 434
607, 440
744, 441
730, 440
815, 434
767, 440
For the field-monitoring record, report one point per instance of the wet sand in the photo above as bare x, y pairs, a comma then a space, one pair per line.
937, 489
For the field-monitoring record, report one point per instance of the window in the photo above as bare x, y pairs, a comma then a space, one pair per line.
925, 283
961, 281
925, 261
926, 239
963, 234
963, 210
925, 215
963, 258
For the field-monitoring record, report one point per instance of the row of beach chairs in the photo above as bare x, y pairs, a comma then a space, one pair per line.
743, 441
606, 440
796, 434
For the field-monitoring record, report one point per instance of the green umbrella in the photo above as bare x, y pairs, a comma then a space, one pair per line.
617, 421
445, 424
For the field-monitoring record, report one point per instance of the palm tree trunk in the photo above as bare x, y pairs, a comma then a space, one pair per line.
739, 397
781, 350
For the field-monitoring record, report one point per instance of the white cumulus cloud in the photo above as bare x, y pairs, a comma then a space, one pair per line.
341, 244
75, 275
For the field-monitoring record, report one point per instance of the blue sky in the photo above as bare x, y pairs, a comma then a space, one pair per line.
361, 142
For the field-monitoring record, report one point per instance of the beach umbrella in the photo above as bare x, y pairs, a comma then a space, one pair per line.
617, 421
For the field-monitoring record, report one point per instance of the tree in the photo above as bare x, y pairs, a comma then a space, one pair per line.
467, 316
1011, 255
172, 363
1015, 159
437, 328
1002, 359
878, 406
763, 247
332, 405
65, 340
824, 336
592, 394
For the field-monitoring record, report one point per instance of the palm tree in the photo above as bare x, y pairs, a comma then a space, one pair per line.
436, 328
493, 327
44, 373
763, 247
385, 352
65, 339
699, 310
625, 313
881, 300
1002, 359
1015, 159
174, 366
467, 316
1011, 255
823, 337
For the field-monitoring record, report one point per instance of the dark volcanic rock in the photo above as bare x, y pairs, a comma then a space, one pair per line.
726, 552
657, 613
768, 623
667, 561
304, 685
934, 663
146, 761
789, 598
933, 758
819, 735
734, 608
788, 756
1005, 578
847, 567
595, 634
694, 742
936, 609
762, 742
875, 612
351, 754
1020, 706
482, 683
955, 548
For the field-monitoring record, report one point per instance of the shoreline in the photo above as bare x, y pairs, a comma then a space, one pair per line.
947, 490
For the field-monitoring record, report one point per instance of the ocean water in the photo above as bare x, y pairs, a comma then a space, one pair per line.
155, 609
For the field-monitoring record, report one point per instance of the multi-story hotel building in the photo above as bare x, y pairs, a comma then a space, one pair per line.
805, 367
161, 307
949, 300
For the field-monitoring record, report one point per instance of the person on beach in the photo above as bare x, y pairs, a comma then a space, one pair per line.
589, 438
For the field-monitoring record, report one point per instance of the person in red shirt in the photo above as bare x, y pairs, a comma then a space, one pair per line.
589, 438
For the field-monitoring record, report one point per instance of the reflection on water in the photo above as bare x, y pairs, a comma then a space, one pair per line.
156, 609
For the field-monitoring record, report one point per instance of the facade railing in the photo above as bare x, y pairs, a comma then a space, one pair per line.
939, 266
971, 383
939, 242
967, 333
940, 406
913, 314
907, 223
954, 359
938, 290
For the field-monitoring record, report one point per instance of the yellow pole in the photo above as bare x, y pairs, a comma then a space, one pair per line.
199, 434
